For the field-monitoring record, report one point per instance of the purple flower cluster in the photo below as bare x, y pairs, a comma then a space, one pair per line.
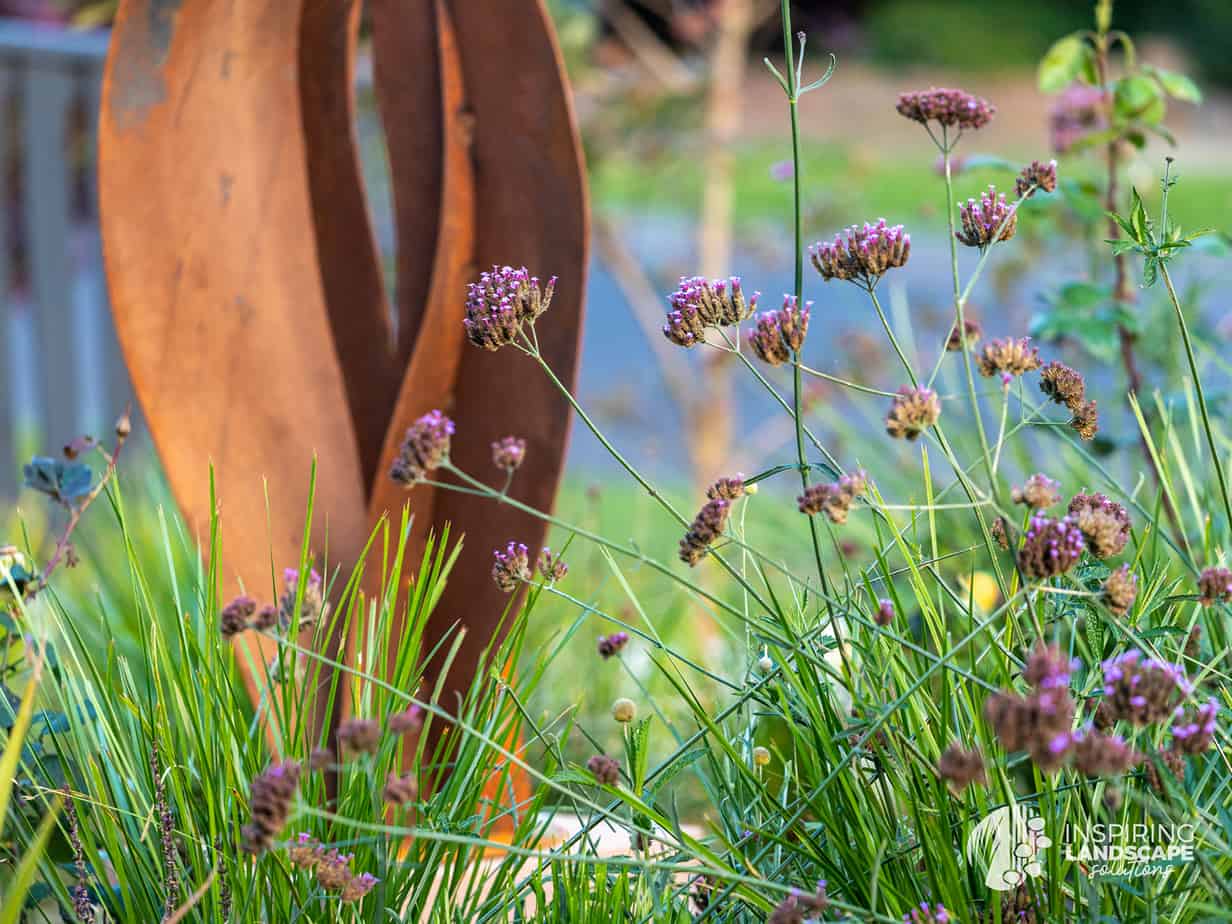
1143, 690
270, 804
511, 566
885, 613
1193, 729
1214, 586
834, 499
988, 219
1050, 547
780, 334
706, 527
862, 254
508, 453
698, 304
424, 448
912, 411
501, 303
606, 769
925, 913
1078, 112
800, 906
552, 567
1039, 493
1036, 176
951, 108
611, 645
1104, 523
1041, 722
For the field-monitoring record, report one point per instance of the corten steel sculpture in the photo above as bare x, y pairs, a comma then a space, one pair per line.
247, 287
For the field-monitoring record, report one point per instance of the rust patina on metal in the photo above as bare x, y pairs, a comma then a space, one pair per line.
246, 282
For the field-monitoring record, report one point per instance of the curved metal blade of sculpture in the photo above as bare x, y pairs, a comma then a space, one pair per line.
247, 287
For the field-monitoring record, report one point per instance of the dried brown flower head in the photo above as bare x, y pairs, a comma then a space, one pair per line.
1063, 385
727, 489
973, 331
1143, 690
800, 906
1215, 586
1120, 590
1000, 534
1008, 356
400, 789
270, 804
707, 526
1104, 523
1086, 421
551, 567
960, 767
359, 736
1040, 492
1036, 177
1097, 754
885, 613
407, 721
912, 411
236, 616
606, 769
834, 499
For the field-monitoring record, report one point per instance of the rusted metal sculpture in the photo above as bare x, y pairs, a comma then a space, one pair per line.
246, 283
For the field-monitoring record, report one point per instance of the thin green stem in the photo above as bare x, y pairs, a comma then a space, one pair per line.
1200, 391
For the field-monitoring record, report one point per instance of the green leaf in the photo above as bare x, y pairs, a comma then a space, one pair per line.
1085, 314
1178, 86
1062, 63
1139, 98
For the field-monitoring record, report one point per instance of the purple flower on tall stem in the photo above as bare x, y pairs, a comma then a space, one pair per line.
511, 566
501, 303
862, 254
699, 303
424, 449
948, 108
508, 453
1193, 729
779, 334
1143, 690
986, 220
1050, 547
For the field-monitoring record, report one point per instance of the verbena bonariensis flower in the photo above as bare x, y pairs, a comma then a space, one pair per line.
987, 219
779, 334
973, 331
1040, 722
606, 769
912, 411
1050, 547
552, 567
885, 613
334, 874
313, 607
707, 526
1120, 590
1104, 523
305, 851
1097, 754
1193, 728
960, 767
834, 499
800, 906
699, 303
1039, 492
1173, 762
508, 453
1008, 356
511, 566
407, 721
501, 303
862, 254
1215, 586
1063, 385
359, 736
1143, 690
924, 913
424, 449
951, 108
358, 887
1076, 113
270, 804
727, 488
1036, 176
400, 789
1086, 421
236, 616
610, 645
